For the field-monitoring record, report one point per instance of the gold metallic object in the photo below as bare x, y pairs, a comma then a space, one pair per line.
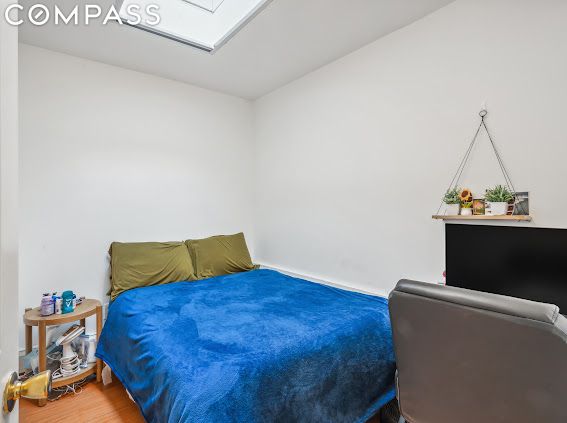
36, 387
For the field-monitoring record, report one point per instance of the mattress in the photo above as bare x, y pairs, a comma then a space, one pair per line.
257, 346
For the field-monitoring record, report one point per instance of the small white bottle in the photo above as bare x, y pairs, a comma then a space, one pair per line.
58, 303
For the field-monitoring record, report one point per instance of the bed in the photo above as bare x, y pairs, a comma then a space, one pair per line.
256, 346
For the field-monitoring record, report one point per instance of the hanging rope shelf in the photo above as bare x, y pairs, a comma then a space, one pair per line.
510, 218
455, 181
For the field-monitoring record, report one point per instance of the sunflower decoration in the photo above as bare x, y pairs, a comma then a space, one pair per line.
466, 196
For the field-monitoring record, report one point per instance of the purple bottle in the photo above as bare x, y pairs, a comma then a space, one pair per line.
47, 305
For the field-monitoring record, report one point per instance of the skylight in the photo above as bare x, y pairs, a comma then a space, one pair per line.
205, 24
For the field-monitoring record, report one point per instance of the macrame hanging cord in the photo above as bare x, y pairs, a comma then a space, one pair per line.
455, 181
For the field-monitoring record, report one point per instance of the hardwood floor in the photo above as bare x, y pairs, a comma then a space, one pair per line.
96, 403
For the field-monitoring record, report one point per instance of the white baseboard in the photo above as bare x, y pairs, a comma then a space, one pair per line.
321, 281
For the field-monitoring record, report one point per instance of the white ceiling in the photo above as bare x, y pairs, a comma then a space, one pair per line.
287, 40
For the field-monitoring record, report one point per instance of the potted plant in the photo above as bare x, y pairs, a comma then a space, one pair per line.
452, 201
466, 208
497, 199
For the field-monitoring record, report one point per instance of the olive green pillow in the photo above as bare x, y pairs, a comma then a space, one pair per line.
148, 263
220, 255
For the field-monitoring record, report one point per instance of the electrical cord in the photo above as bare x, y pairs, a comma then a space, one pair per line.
69, 366
74, 388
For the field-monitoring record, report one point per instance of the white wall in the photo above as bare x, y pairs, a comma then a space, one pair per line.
347, 163
108, 155
352, 159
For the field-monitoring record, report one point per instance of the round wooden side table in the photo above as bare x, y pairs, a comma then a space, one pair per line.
32, 317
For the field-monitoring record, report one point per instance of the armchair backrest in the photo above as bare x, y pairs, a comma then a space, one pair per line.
466, 356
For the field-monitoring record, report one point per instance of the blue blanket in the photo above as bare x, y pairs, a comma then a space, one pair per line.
251, 347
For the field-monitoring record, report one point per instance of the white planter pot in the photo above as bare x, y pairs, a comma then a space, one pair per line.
466, 212
498, 209
452, 209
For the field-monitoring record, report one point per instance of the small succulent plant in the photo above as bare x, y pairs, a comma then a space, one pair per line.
467, 204
452, 196
498, 194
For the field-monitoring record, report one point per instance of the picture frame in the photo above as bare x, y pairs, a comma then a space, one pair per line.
522, 204
479, 207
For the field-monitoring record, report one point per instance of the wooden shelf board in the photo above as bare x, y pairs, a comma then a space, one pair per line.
33, 316
89, 370
513, 218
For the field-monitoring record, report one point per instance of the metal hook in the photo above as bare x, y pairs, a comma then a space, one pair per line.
483, 113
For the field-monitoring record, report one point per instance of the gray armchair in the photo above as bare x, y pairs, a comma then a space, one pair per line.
470, 357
